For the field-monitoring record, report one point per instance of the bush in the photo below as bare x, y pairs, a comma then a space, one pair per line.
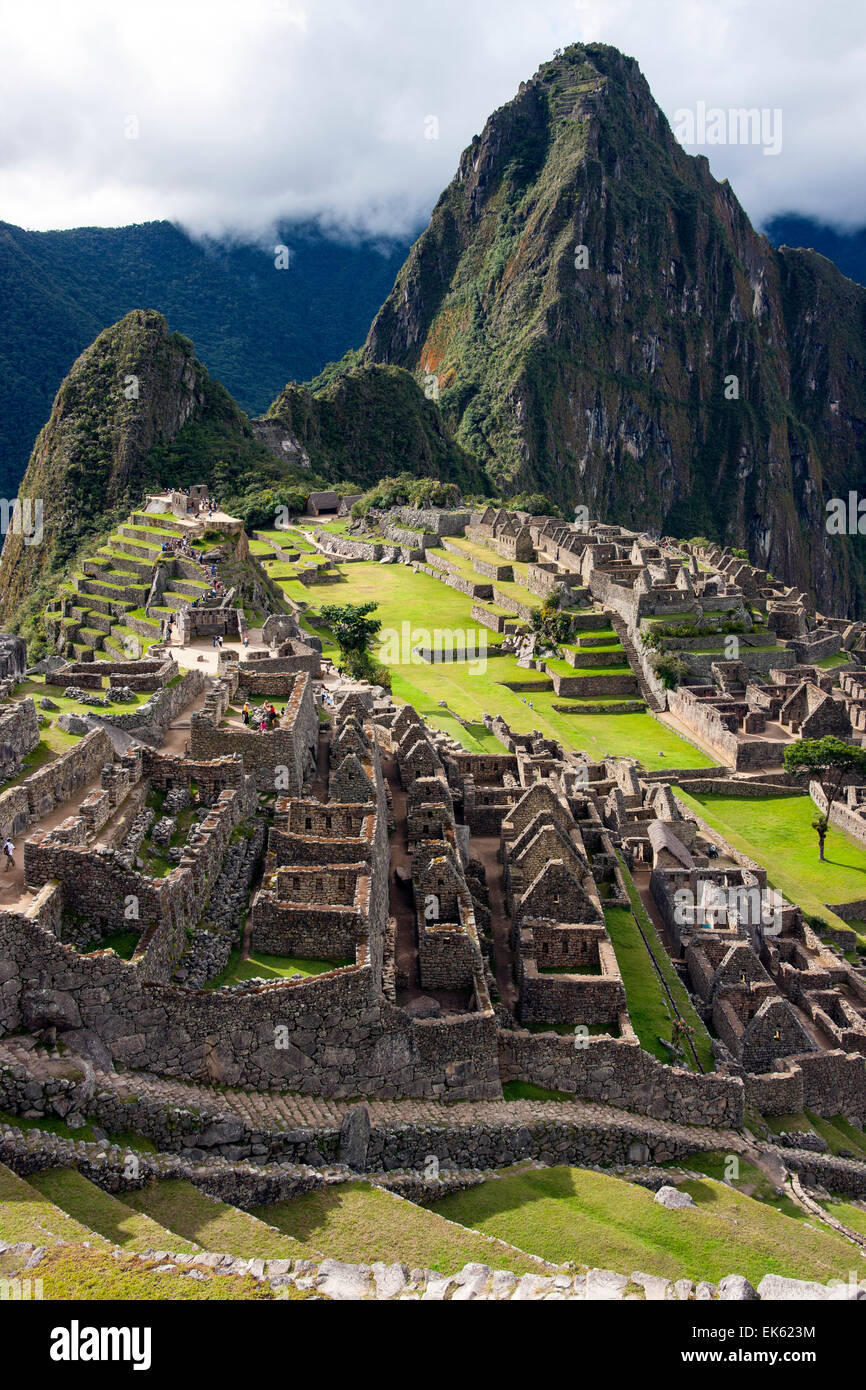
670, 669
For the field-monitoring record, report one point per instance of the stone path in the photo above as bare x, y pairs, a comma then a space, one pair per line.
275, 1111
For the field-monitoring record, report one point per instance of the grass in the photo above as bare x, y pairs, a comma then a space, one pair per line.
402, 595
261, 966
849, 1214
527, 1090
50, 1124
751, 1181
123, 944
26, 1214
54, 740
360, 1223
109, 1216
777, 833
597, 1220
648, 1008
211, 1224
829, 663
701, 1039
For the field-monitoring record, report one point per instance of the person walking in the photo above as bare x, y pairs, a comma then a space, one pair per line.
246, 714
9, 850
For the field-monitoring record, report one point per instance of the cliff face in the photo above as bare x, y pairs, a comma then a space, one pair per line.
134, 388
605, 325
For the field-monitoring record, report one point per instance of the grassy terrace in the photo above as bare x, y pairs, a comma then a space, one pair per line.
356, 1222
777, 833
54, 740
258, 965
469, 690
599, 1220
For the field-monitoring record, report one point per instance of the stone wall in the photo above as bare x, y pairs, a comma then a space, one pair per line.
55, 783
330, 1035
163, 707
291, 746
840, 815
446, 957
19, 735
619, 1072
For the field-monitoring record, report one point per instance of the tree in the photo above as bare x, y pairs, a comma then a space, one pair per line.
550, 625
827, 761
821, 824
354, 631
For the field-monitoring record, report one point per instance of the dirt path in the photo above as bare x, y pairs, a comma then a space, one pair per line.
13, 895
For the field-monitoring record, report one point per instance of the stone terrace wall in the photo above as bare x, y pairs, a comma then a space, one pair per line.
163, 707
55, 783
19, 735
620, 1073
331, 1035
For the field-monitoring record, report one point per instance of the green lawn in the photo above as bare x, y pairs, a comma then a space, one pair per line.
360, 1223
261, 966
777, 833
109, 1216
701, 1044
26, 1214
401, 595
649, 1008
53, 739
211, 1224
849, 1214
597, 1220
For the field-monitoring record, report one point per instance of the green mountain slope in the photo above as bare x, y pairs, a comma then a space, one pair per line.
254, 326
603, 376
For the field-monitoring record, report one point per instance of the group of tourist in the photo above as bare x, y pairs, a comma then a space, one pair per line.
197, 505
268, 719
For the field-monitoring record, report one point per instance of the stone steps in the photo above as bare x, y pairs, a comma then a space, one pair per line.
277, 1111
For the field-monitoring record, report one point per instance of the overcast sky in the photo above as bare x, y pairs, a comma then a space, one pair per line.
228, 115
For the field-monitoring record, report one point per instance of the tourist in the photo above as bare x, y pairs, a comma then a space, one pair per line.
9, 850
246, 714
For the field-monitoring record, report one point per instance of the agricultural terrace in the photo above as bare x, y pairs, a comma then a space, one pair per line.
441, 690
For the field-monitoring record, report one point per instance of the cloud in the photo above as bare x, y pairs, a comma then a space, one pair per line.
230, 116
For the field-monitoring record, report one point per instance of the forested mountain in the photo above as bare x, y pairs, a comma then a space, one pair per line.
254, 326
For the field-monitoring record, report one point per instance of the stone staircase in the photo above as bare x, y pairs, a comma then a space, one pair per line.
107, 610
